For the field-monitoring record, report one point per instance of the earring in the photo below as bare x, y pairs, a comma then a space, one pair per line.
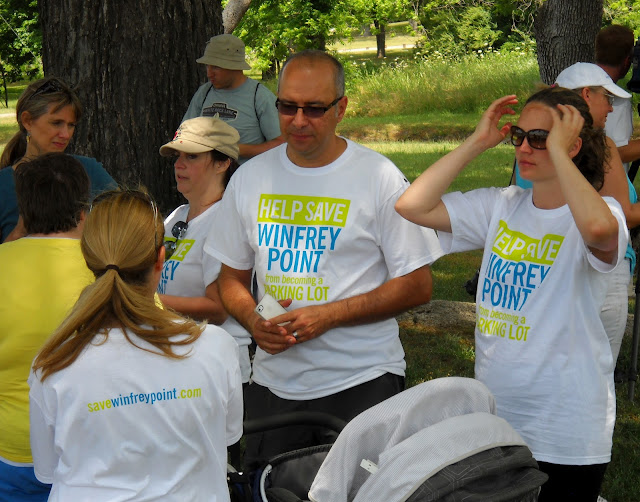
28, 137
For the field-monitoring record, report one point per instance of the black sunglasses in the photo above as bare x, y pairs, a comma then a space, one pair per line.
537, 138
311, 112
178, 231
49, 87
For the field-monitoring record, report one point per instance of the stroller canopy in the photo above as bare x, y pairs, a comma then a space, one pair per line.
425, 444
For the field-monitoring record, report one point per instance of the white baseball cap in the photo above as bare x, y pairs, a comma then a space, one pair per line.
580, 75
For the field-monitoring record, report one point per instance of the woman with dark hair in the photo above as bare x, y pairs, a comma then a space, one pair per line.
549, 251
130, 401
47, 113
206, 151
598, 90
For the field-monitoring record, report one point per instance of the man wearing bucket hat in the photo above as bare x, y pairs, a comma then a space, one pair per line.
242, 102
206, 150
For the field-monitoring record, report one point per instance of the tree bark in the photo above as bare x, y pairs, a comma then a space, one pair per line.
565, 33
233, 12
380, 39
134, 65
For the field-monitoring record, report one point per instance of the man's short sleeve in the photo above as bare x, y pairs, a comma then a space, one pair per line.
195, 106
227, 240
267, 113
405, 245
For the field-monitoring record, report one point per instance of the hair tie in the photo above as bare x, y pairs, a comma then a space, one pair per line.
112, 267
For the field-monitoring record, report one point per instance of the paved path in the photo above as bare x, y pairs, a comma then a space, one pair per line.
365, 49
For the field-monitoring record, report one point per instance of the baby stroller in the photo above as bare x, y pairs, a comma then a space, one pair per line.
438, 441
286, 475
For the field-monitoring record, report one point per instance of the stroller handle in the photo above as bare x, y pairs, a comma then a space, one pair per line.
316, 418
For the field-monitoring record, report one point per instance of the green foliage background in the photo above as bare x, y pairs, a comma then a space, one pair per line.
20, 39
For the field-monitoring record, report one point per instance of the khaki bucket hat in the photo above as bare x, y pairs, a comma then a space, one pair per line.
203, 134
225, 51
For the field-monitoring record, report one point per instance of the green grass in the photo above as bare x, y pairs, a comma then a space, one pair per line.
439, 84
491, 169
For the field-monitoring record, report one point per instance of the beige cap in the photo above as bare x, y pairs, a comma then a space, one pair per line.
203, 134
225, 51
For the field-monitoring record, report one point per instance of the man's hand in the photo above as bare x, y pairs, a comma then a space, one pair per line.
309, 322
269, 336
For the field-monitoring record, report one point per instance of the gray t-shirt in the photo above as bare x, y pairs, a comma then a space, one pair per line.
250, 109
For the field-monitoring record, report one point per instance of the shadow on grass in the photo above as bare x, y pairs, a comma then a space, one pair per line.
431, 353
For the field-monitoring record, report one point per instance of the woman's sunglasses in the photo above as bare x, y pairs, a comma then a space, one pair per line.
537, 138
178, 231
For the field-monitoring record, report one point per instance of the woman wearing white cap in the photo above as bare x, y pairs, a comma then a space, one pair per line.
207, 153
599, 91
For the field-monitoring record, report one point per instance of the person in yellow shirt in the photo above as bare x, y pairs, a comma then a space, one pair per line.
42, 277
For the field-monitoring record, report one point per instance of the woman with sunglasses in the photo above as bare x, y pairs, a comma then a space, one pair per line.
47, 113
541, 347
129, 401
598, 90
206, 151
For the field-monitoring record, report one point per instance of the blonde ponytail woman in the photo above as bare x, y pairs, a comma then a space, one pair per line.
129, 401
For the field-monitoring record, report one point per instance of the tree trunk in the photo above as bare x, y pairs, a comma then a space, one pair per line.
134, 65
4, 84
565, 32
380, 39
233, 12
272, 71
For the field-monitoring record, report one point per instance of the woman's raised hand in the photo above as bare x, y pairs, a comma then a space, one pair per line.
488, 132
565, 131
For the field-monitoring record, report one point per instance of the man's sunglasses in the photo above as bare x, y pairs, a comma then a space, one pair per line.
311, 112
179, 230
537, 138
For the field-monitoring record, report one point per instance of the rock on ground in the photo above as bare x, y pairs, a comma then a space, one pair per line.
460, 315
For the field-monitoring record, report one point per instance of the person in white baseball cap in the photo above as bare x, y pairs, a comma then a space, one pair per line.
596, 87
206, 151
599, 91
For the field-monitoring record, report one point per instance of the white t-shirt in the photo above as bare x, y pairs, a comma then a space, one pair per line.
619, 124
318, 235
189, 271
541, 347
121, 423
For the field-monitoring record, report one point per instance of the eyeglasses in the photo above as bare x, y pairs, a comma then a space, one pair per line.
179, 230
537, 138
610, 97
311, 112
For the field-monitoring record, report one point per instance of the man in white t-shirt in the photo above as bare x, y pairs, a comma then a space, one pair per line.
614, 52
316, 219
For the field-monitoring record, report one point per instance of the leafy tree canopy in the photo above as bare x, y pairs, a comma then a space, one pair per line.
20, 39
